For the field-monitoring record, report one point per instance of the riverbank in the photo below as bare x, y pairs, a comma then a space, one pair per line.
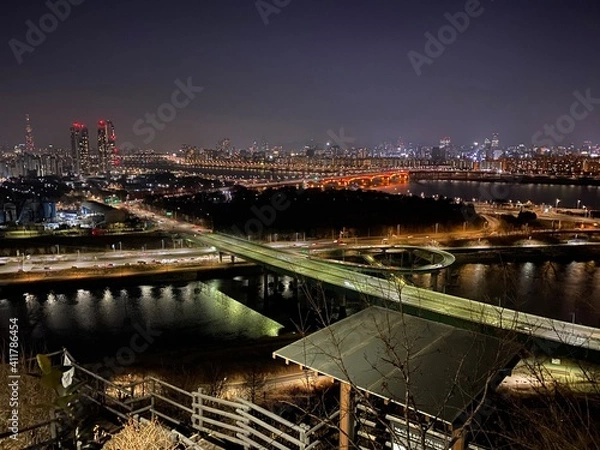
527, 253
135, 273
503, 178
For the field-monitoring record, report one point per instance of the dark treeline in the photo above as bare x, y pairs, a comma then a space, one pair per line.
319, 213
18, 190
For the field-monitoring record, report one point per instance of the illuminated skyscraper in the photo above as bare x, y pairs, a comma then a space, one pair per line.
445, 142
107, 148
224, 145
495, 141
80, 149
29, 142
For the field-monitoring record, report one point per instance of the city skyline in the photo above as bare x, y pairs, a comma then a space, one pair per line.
107, 143
303, 71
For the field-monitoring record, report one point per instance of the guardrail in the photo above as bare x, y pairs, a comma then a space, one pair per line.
195, 415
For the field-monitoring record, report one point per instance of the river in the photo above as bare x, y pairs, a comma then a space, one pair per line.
100, 318
568, 196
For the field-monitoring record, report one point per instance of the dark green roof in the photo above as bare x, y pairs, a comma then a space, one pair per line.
381, 351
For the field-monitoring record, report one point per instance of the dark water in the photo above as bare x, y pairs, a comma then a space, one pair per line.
99, 320
568, 195
103, 319
560, 291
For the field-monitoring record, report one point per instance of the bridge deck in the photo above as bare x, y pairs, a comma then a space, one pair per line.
448, 305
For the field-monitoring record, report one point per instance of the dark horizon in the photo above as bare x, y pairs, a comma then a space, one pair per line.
303, 71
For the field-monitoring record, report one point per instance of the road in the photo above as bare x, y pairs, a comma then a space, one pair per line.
104, 260
437, 259
542, 212
444, 304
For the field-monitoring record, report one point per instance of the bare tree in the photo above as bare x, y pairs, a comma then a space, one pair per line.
484, 413
255, 380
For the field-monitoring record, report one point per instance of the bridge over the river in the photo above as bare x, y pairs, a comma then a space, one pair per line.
395, 290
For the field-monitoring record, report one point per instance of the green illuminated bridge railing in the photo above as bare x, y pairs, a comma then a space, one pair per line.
439, 260
448, 305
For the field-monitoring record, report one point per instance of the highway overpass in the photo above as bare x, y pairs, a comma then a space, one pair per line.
434, 259
458, 308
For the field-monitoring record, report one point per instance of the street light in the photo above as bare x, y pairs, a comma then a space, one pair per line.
557, 202
578, 203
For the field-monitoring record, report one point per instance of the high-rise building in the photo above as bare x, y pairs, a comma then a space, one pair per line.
264, 146
445, 142
29, 142
495, 141
107, 148
224, 145
438, 155
80, 149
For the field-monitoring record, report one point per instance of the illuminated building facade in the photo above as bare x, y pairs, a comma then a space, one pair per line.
29, 142
107, 148
80, 149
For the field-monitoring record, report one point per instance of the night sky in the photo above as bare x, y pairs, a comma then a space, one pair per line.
316, 66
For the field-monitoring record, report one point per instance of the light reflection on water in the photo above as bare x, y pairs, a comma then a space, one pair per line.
186, 314
569, 195
549, 289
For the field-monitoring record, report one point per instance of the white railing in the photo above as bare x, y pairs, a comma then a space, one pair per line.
247, 424
196, 415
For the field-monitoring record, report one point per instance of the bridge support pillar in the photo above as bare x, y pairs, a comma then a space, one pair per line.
445, 277
434, 281
265, 284
232, 258
252, 295
220, 257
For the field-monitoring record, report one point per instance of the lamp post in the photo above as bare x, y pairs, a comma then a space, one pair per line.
557, 202
578, 203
